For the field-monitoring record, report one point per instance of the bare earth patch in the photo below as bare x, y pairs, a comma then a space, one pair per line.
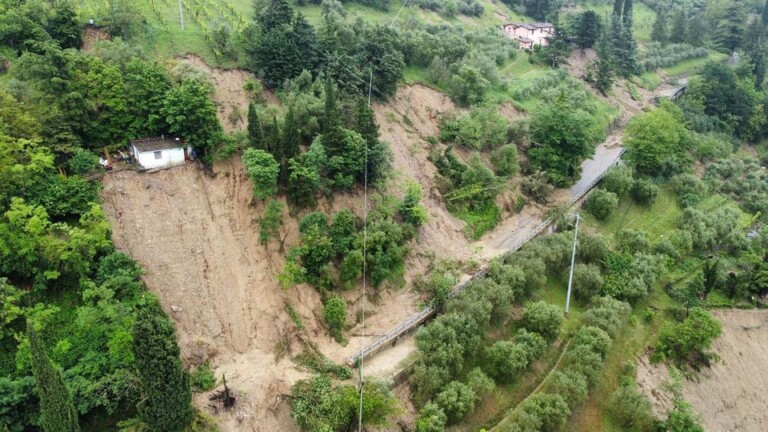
229, 94
733, 394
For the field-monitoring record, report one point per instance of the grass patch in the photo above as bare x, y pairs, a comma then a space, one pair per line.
692, 66
479, 221
656, 220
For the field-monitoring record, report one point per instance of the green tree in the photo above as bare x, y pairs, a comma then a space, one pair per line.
543, 318
651, 139
618, 180
682, 418
378, 156
605, 66
562, 137
588, 29
601, 204
57, 411
411, 211
679, 27
504, 160
263, 170
587, 280
541, 412
255, 131
64, 27
456, 400
271, 221
468, 85
729, 29
631, 408
432, 418
754, 47
659, 32
167, 397
191, 114
335, 314
644, 191
687, 341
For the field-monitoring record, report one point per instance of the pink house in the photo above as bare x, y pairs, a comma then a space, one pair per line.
529, 35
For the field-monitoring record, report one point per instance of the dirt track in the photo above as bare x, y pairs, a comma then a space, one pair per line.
733, 394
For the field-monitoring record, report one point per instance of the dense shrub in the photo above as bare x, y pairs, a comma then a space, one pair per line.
593, 248
542, 412
601, 204
632, 240
431, 419
656, 55
587, 280
483, 128
687, 342
631, 408
690, 189
335, 314
456, 400
618, 180
83, 162
607, 314
505, 160
644, 191
544, 318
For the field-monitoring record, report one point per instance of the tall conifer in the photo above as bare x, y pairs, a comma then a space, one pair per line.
255, 131
166, 405
57, 412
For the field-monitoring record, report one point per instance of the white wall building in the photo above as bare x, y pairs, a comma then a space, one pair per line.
158, 152
529, 34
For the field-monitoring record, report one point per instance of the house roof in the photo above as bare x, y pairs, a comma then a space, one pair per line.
530, 26
157, 143
525, 39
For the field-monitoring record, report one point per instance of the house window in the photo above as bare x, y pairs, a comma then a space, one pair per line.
158, 155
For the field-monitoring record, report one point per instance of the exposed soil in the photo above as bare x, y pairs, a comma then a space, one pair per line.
196, 236
731, 395
405, 122
229, 94
91, 35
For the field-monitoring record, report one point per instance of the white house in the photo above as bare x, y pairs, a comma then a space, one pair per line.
158, 152
528, 35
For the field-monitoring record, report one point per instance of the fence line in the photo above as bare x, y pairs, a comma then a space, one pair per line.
426, 313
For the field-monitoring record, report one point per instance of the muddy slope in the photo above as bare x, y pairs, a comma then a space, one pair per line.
733, 394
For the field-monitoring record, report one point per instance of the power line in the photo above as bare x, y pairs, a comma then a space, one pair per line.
365, 243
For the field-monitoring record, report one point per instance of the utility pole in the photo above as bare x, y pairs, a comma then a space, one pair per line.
181, 16
573, 260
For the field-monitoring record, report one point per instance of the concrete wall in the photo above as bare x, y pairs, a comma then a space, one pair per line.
167, 158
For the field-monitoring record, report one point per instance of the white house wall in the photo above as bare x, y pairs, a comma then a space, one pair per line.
169, 158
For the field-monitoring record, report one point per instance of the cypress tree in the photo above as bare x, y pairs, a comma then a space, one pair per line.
626, 14
289, 145
272, 139
679, 28
378, 153
617, 4
587, 30
279, 13
754, 47
765, 13
332, 124
605, 66
167, 396
255, 131
57, 412
659, 30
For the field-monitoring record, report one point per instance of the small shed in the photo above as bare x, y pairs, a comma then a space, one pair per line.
159, 152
